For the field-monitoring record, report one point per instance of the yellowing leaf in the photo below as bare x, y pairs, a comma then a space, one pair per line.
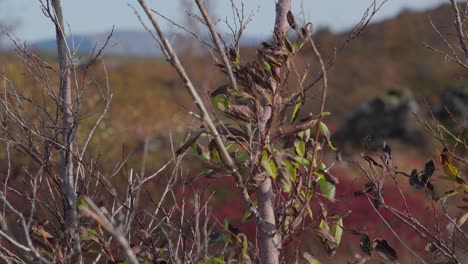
450, 170
269, 164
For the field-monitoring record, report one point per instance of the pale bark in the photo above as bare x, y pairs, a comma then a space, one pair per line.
66, 153
269, 239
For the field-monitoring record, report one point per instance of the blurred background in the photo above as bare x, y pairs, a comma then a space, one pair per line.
379, 84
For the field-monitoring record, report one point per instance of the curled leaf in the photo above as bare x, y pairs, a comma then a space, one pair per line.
327, 240
291, 21
384, 249
414, 180
428, 171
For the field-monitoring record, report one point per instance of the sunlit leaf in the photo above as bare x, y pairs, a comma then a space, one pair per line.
82, 203
301, 161
447, 194
266, 66
324, 226
297, 106
326, 133
327, 189
337, 230
447, 163
462, 219
247, 213
269, 164
300, 147
292, 170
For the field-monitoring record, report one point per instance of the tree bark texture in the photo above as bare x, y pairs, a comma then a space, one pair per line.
269, 239
66, 154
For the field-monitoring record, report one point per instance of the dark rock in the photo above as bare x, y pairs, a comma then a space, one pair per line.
455, 100
390, 116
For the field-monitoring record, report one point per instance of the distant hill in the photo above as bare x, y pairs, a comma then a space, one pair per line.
131, 43
128, 43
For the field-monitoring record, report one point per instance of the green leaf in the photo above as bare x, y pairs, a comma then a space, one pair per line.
337, 231
269, 164
93, 231
221, 104
327, 189
300, 147
215, 155
326, 133
297, 106
294, 47
82, 203
324, 226
201, 151
247, 213
242, 156
322, 166
267, 66
292, 170
302, 161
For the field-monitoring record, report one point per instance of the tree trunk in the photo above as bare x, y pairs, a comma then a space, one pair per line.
269, 239
66, 154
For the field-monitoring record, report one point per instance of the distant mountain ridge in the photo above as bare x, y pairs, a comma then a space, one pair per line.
128, 43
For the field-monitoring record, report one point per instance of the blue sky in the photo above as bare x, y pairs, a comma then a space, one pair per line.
98, 16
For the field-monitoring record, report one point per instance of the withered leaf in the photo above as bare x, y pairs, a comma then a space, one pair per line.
365, 244
329, 178
243, 112
231, 133
387, 150
327, 240
221, 90
291, 21
414, 180
384, 249
428, 171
